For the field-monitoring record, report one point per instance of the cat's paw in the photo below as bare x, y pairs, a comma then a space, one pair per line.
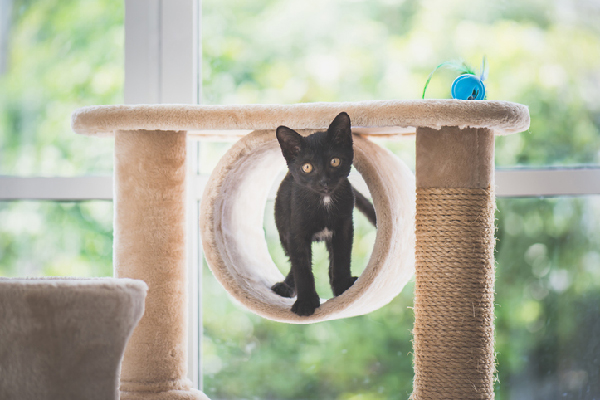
283, 289
306, 307
341, 287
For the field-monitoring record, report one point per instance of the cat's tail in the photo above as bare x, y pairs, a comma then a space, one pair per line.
364, 206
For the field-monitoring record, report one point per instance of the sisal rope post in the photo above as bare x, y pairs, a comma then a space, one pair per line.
150, 245
454, 292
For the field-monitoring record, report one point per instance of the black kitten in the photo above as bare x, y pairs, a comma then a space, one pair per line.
314, 203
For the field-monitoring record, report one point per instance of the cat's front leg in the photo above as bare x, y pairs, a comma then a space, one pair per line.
307, 298
306, 306
287, 287
340, 251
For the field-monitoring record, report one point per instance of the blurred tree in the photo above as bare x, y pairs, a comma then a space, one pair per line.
56, 56
61, 55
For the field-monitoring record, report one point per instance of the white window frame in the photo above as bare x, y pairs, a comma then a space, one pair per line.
162, 65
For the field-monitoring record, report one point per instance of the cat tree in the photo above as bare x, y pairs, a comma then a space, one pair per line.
64, 338
454, 294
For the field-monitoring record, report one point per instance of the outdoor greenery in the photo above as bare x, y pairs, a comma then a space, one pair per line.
60, 55
56, 56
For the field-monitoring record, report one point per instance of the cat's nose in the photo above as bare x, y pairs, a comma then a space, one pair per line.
324, 185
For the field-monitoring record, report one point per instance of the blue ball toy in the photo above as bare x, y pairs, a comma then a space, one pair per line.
468, 87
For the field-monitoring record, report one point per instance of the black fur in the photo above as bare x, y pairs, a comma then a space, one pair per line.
302, 210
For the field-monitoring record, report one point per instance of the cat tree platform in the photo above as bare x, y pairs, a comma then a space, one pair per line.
64, 338
454, 292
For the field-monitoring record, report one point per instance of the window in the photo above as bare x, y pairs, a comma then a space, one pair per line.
543, 54
548, 289
56, 56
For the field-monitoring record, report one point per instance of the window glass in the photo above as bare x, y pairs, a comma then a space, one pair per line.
545, 54
56, 238
210, 152
57, 56
547, 320
548, 298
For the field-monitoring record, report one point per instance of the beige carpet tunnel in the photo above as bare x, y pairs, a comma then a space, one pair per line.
232, 213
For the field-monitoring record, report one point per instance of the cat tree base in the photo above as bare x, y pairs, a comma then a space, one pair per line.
453, 164
63, 338
187, 394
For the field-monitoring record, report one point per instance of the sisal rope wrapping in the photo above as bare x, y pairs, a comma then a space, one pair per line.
454, 294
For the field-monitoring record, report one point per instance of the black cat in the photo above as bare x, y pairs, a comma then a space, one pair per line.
314, 203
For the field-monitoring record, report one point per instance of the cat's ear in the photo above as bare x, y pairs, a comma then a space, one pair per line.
340, 130
290, 142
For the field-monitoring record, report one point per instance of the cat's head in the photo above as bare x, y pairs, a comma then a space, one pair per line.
322, 160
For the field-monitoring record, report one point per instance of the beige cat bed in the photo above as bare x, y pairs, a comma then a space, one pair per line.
454, 289
65, 338
234, 243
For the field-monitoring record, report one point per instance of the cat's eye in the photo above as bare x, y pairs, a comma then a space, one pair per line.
335, 162
307, 168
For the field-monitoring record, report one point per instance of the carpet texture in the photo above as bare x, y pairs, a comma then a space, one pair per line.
150, 244
64, 338
231, 219
368, 117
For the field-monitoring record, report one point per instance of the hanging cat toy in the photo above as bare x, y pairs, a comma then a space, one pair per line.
468, 85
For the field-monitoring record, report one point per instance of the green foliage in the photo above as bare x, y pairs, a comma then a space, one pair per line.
56, 239
61, 55
289, 52
548, 286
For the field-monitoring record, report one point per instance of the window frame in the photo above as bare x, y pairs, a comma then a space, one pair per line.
163, 65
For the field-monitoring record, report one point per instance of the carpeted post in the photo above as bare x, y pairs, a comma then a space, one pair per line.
454, 291
150, 244
63, 337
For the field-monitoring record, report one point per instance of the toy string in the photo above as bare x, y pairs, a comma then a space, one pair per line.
460, 67
484, 70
